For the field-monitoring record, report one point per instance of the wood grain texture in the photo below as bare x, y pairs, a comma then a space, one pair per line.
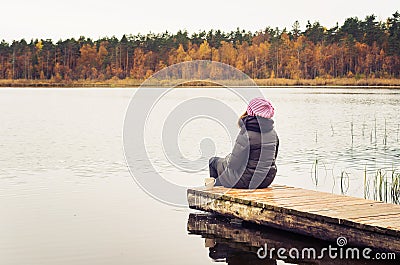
318, 214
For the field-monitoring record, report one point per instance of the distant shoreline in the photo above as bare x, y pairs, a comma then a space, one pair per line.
275, 82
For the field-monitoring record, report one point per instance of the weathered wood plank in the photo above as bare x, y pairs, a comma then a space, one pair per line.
363, 221
346, 212
326, 216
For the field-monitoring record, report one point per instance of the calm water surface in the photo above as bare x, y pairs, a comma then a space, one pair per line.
66, 196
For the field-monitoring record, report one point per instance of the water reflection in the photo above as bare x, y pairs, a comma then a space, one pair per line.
235, 242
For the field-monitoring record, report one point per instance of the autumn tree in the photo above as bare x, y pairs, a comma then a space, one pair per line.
88, 62
358, 48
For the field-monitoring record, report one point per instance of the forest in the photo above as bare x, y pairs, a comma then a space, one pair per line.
358, 49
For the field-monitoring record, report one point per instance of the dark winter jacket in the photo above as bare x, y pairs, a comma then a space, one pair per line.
252, 162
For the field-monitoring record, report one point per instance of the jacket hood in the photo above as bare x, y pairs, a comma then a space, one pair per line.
257, 124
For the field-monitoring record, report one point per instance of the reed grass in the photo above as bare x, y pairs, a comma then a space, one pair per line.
344, 182
114, 82
334, 182
366, 184
384, 188
352, 132
314, 172
395, 187
328, 82
370, 137
129, 82
385, 136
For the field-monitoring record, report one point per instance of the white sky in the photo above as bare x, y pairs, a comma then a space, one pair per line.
72, 18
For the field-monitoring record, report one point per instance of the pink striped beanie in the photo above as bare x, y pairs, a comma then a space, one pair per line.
260, 107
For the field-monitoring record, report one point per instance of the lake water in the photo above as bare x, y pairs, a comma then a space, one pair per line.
67, 197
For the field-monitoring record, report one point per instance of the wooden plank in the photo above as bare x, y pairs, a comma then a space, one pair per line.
349, 215
326, 203
371, 208
304, 200
307, 212
282, 195
276, 203
309, 215
387, 220
273, 196
308, 200
381, 217
298, 224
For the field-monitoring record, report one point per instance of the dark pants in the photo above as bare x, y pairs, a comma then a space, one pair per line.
217, 166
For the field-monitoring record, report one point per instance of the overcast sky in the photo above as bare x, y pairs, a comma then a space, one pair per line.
72, 18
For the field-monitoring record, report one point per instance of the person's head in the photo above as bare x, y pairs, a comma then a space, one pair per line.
260, 107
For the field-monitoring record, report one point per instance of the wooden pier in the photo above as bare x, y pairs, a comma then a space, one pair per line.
318, 214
